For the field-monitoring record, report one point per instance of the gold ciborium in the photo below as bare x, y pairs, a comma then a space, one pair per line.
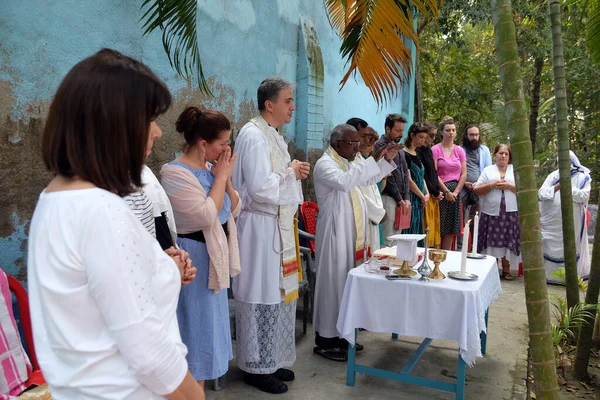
437, 256
405, 270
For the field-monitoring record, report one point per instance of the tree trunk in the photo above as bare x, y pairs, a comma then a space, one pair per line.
536, 293
564, 163
535, 101
419, 112
586, 332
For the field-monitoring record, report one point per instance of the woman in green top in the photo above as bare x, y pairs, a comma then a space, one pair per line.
419, 195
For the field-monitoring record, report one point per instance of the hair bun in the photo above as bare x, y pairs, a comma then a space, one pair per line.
188, 119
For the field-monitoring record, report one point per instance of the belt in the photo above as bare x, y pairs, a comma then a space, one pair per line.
266, 214
199, 235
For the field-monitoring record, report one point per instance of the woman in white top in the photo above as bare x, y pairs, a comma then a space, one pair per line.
499, 233
103, 293
551, 220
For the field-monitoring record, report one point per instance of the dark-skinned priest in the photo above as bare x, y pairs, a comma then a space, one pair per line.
342, 227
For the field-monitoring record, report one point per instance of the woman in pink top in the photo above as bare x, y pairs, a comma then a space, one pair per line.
451, 164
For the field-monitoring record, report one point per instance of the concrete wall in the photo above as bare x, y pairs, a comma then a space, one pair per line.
242, 42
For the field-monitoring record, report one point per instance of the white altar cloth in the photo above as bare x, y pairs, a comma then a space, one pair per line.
444, 309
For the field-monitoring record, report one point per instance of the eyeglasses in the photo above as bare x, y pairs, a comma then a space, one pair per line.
432, 135
353, 144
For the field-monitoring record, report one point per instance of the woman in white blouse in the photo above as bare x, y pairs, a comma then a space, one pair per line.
499, 233
103, 293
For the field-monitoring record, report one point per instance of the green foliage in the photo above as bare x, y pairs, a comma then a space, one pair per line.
177, 21
560, 274
567, 323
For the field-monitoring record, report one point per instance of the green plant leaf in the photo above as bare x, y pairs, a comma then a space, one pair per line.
177, 21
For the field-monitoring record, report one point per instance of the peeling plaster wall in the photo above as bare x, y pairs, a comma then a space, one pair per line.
242, 42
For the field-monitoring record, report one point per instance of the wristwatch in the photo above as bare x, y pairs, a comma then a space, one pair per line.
447, 191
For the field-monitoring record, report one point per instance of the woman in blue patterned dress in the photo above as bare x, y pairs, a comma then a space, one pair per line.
419, 195
204, 204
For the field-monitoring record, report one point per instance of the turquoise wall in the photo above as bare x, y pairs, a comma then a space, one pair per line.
242, 42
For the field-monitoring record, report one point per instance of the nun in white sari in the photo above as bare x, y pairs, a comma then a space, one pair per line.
551, 220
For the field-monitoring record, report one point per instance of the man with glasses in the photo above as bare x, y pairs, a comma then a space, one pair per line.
397, 189
375, 211
341, 228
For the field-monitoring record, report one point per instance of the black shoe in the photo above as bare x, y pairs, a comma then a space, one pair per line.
344, 345
334, 354
284, 375
267, 383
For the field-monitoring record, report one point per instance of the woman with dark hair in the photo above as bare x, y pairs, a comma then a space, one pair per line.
432, 209
499, 233
103, 293
451, 164
419, 195
198, 184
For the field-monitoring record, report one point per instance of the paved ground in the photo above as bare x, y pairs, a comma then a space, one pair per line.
498, 375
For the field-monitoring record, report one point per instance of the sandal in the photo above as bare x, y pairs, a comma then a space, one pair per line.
284, 375
267, 383
506, 276
334, 354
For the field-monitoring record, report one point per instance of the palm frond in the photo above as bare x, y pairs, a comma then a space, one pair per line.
177, 21
592, 29
373, 34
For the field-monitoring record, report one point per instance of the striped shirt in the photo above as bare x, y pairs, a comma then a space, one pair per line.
142, 207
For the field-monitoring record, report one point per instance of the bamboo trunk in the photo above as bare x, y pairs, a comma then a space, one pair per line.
538, 313
564, 163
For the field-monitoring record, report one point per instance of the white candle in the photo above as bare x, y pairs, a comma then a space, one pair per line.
465, 248
475, 232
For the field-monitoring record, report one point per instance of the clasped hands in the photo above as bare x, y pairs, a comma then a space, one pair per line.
301, 168
184, 264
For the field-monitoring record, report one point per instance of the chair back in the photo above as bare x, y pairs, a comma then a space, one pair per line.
35, 377
309, 211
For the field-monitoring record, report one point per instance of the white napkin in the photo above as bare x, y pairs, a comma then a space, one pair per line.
406, 246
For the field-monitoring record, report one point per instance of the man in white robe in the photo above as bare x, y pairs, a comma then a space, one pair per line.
373, 201
341, 227
269, 186
551, 220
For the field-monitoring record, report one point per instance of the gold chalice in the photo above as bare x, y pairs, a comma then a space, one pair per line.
405, 270
437, 256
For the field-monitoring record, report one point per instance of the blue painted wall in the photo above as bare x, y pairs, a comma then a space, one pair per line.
242, 42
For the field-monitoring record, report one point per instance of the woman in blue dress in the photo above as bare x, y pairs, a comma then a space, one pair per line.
204, 202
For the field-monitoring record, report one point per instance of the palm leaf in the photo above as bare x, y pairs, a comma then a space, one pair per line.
177, 21
373, 34
592, 34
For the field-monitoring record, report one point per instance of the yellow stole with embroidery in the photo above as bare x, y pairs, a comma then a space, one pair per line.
287, 221
357, 208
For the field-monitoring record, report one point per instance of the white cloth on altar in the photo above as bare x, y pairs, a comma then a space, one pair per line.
261, 190
551, 220
375, 210
336, 231
445, 309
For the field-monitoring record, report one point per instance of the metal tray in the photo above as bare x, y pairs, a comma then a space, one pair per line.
468, 276
476, 256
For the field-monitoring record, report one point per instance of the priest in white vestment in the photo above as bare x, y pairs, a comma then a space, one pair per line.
268, 183
551, 220
375, 211
342, 234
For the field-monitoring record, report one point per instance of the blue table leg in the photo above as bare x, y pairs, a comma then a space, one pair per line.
351, 367
394, 336
460, 378
483, 335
